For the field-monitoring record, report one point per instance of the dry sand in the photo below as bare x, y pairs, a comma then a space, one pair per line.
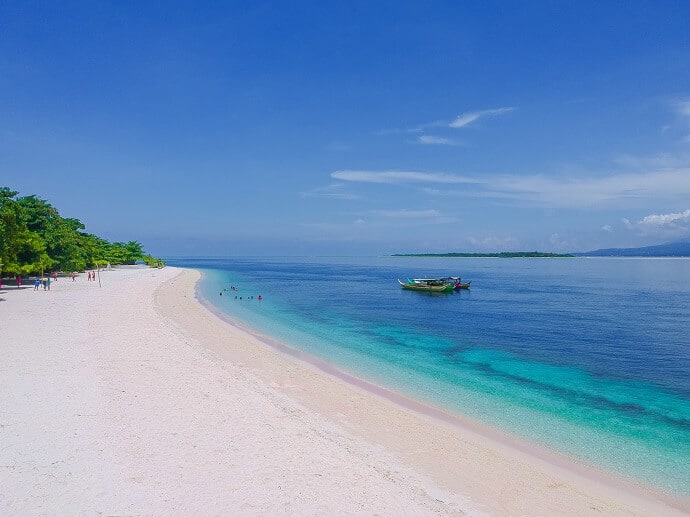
135, 399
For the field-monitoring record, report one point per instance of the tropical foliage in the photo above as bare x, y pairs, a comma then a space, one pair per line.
35, 238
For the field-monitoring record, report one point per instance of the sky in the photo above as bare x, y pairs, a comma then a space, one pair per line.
352, 128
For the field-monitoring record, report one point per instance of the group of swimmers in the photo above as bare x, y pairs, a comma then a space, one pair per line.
233, 288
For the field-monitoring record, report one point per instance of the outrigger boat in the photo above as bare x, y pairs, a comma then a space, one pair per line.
457, 283
438, 285
430, 285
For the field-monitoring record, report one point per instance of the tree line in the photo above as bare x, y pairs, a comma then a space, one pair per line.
34, 238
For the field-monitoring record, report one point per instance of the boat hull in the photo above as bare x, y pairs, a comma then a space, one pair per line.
426, 288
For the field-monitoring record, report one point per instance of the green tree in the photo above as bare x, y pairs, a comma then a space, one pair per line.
61, 236
134, 251
22, 251
95, 250
34, 237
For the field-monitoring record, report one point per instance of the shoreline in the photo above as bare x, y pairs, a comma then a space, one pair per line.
136, 398
515, 449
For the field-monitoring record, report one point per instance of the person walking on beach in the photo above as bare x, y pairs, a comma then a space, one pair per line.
74, 276
36, 284
19, 281
48, 283
89, 277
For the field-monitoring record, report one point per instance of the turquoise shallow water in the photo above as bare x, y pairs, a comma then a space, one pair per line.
590, 357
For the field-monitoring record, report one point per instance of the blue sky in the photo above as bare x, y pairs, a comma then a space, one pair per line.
242, 128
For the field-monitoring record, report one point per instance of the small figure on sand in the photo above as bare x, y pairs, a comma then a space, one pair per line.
89, 277
19, 281
74, 276
47, 286
36, 284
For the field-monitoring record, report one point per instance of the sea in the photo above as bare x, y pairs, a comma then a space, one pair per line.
588, 357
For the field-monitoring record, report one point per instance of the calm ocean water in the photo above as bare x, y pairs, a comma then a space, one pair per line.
590, 357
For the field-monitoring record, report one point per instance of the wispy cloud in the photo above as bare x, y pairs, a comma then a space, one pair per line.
406, 214
657, 161
460, 121
380, 219
683, 107
662, 225
436, 140
600, 191
420, 217
399, 177
468, 118
605, 191
333, 191
417, 129
491, 243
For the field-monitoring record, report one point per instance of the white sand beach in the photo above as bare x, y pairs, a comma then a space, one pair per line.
132, 398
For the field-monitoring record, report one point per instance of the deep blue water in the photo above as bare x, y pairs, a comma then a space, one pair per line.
590, 357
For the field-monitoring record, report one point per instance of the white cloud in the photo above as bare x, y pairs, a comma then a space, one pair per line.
683, 108
333, 191
435, 140
662, 225
399, 177
407, 214
607, 228
494, 243
657, 161
556, 243
463, 120
466, 119
604, 192
406, 217
417, 129
608, 191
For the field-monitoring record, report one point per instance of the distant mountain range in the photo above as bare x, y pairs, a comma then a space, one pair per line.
671, 249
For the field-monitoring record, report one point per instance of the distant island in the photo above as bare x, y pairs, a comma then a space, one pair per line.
502, 254
670, 249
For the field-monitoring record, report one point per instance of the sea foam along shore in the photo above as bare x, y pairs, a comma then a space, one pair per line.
133, 398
